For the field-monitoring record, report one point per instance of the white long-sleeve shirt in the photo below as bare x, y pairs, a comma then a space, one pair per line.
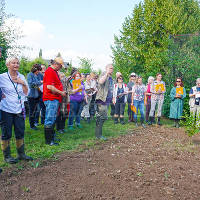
11, 102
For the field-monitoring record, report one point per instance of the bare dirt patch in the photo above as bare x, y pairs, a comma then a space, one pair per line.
155, 164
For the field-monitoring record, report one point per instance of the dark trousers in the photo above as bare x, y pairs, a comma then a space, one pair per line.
40, 107
92, 108
130, 112
8, 120
148, 108
112, 112
119, 108
33, 102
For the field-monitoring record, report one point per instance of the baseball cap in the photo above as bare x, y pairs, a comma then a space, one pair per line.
133, 74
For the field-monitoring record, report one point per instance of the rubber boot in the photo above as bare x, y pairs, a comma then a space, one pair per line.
21, 152
177, 123
136, 124
0, 170
47, 133
132, 116
142, 124
129, 118
159, 122
122, 120
49, 136
58, 125
55, 139
153, 120
116, 120
150, 121
98, 129
5, 145
88, 120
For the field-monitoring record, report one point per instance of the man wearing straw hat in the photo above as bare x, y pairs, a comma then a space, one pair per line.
52, 96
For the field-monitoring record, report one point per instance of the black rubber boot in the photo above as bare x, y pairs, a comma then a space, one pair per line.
122, 120
142, 124
177, 123
98, 129
129, 118
49, 136
116, 120
150, 121
47, 132
7, 156
153, 120
159, 123
88, 120
21, 152
0, 170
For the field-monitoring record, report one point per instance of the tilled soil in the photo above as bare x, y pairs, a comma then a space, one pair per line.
156, 164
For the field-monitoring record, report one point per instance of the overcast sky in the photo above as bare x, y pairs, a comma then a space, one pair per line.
75, 28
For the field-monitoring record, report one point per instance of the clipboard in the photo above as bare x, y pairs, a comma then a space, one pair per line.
179, 91
133, 108
159, 87
76, 84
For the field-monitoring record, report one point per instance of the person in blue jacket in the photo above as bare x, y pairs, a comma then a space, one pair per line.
33, 96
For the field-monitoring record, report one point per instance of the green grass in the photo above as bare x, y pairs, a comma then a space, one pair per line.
78, 139
35, 145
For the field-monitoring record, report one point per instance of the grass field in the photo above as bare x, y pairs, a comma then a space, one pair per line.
35, 145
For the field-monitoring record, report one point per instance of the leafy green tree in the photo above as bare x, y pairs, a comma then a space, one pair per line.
85, 65
183, 62
3, 41
8, 38
26, 65
142, 45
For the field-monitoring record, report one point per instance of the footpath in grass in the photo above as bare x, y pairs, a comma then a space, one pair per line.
36, 147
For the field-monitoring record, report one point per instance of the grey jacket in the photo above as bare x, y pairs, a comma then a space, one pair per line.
103, 89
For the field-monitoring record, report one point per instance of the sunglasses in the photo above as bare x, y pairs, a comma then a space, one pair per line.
178, 81
132, 75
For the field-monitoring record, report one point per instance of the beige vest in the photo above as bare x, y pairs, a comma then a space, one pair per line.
103, 89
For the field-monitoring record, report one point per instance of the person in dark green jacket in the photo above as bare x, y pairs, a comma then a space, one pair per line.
177, 96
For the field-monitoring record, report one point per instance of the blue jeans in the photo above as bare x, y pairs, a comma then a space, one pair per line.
51, 112
75, 112
40, 107
139, 105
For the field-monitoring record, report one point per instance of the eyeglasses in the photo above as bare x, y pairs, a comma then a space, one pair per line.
178, 81
120, 79
132, 75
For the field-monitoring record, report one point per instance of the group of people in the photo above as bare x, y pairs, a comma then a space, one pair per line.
80, 96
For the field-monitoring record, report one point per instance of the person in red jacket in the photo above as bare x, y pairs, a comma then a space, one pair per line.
52, 95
